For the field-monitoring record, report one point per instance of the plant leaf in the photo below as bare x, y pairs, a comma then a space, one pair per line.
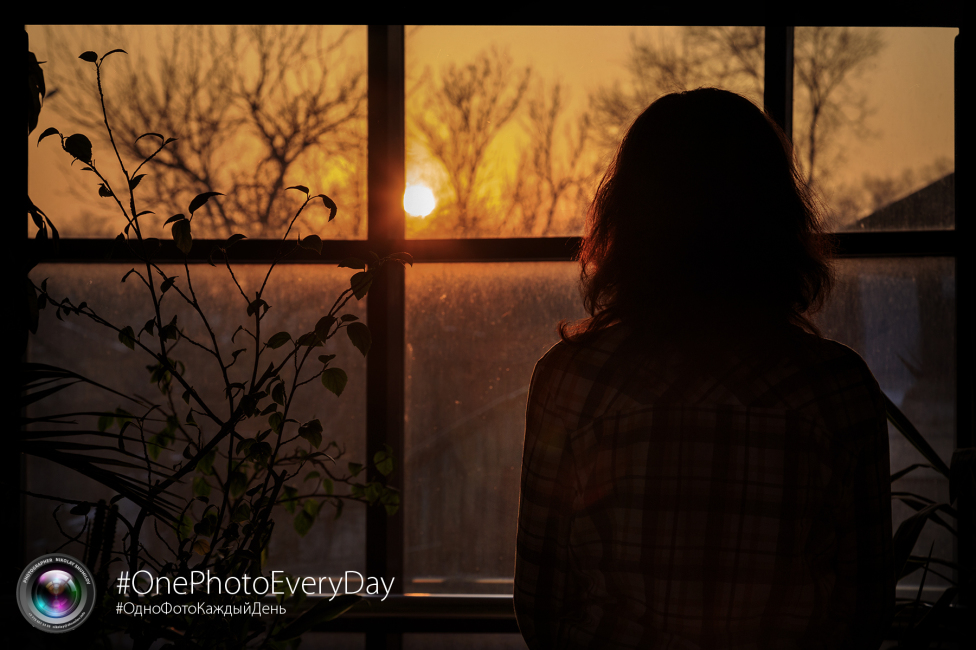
48, 131
278, 340
79, 146
200, 199
360, 283
128, 338
360, 336
312, 243
352, 263
335, 380
330, 204
182, 236
89, 56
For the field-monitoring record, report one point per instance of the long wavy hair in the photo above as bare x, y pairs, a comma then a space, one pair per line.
702, 223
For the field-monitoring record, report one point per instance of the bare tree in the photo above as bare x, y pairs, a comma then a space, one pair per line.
827, 61
557, 171
462, 112
254, 110
725, 56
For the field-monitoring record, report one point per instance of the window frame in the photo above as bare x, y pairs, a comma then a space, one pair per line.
385, 382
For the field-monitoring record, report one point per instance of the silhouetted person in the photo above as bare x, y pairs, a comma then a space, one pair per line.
701, 468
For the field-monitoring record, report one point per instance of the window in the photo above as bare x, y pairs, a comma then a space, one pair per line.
456, 336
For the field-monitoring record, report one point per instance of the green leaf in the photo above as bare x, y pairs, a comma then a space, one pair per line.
200, 487
278, 393
200, 199
390, 501
80, 147
127, 337
312, 507
311, 431
289, 499
241, 513
205, 464
360, 337
275, 420
303, 523
335, 380
237, 483
327, 485
89, 56
278, 340
383, 460
312, 243
182, 237
355, 468
311, 475
360, 283
105, 421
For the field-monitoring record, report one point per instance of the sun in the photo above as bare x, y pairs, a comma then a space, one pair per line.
418, 200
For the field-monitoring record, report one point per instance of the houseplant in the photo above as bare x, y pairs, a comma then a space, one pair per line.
243, 457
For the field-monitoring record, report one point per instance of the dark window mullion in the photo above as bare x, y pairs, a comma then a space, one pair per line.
385, 303
778, 77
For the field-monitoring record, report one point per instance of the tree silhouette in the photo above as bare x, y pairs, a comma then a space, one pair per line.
254, 110
460, 114
826, 61
557, 172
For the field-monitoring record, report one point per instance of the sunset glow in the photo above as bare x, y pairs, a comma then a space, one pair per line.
418, 200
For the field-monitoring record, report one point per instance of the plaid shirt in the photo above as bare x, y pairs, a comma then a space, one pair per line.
746, 506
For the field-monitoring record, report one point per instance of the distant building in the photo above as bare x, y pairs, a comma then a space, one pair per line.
931, 208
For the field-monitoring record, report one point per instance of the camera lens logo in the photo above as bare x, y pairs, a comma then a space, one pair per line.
56, 593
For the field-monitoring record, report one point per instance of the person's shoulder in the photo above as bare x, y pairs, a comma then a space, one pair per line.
581, 357
831, 358
838, 383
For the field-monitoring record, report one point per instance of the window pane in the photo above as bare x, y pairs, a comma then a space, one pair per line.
511, 128
254, 109
899, 315
474, 333
298, 294
874, 125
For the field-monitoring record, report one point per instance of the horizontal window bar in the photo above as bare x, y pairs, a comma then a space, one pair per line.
908, 243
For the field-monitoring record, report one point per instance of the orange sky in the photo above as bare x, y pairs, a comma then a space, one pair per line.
910, 88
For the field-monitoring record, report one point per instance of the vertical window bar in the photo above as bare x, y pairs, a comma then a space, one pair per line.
778, 78
385, 306
965, 327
